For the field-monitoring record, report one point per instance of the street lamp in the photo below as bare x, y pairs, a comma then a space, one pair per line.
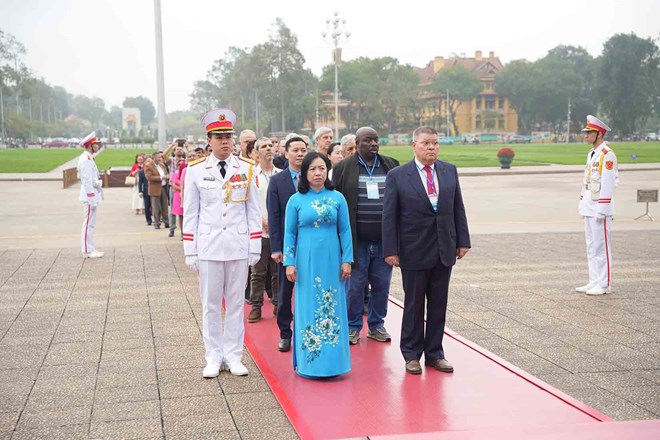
336, 28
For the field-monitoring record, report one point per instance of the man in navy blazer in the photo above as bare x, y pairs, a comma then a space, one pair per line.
281, 187
424, 231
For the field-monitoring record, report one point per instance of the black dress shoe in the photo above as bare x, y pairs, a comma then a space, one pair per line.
284, 345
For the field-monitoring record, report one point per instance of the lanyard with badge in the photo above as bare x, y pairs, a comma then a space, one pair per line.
430, 183
372, 184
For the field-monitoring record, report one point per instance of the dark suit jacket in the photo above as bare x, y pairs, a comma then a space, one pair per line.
412, 230
143, 185
280, 189
345, 176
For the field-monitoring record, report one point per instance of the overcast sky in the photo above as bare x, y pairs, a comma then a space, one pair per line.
105, 48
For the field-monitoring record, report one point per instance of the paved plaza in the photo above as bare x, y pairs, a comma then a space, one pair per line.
112, 348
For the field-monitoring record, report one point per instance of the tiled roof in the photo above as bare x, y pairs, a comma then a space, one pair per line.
485, 68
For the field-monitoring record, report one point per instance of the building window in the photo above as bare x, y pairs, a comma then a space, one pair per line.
500, 103
490, 102
477, 101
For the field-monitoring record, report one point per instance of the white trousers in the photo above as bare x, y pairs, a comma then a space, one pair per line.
599, 250
220, 280
87, 234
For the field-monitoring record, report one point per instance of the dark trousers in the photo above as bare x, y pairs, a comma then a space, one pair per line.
147, 207
260, 272
284, 311
420, 286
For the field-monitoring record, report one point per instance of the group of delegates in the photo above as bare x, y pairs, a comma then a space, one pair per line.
159, 186
332, 221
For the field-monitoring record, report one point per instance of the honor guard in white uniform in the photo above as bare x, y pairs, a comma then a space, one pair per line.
597, 206
221, 238
91, 194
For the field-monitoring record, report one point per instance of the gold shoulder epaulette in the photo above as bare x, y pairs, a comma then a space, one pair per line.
196, 161
246, 159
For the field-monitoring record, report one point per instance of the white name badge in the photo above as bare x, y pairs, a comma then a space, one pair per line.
372, 190
434, 202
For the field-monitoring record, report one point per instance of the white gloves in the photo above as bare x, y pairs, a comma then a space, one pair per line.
253, 259
192, 262
98, 183
600, 217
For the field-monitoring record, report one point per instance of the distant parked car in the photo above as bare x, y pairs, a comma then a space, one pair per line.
652, 137
445, 141
519, 139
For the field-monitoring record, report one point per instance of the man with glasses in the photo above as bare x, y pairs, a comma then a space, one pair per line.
425, 231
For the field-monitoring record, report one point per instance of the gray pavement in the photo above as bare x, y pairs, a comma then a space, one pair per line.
111, 348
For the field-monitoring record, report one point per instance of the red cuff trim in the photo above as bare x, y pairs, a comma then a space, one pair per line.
601, 199
580, 197
90, 194
603, 203
185, 234
188, 238
255, 235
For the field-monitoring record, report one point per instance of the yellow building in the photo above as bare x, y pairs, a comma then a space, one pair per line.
487, 113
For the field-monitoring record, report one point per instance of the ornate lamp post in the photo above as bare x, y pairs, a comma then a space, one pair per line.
336, 28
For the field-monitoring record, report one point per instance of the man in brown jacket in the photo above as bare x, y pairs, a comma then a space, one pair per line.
158, 176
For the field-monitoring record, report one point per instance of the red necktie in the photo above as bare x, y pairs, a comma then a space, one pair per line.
430, 184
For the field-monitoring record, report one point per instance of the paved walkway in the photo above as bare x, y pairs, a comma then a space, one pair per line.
111, 348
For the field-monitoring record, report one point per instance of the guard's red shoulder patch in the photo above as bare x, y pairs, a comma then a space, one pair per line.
609, 165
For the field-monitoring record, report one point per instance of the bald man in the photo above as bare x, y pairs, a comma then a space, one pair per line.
361, 179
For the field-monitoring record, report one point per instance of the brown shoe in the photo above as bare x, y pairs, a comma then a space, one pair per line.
255, 315
413, 367
440, 365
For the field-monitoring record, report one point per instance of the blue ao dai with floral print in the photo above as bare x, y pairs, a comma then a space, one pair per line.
317, 240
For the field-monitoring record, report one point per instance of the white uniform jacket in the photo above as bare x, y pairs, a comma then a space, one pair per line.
90, 191
600, 176
221, 216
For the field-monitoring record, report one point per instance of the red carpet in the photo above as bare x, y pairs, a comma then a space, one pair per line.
377, 398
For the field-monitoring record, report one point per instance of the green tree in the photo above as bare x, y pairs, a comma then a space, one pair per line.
92, 109
270, 75
582, 83
147, 109
378, 92
461, 84
629, 81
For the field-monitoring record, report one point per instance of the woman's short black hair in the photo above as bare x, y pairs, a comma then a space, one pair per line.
332, 147
303, 182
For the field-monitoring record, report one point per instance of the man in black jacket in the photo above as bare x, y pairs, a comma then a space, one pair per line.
143, 189
361, 179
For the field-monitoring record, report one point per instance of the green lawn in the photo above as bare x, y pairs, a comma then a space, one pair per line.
41, 161
34, 161
118, 158
531, 154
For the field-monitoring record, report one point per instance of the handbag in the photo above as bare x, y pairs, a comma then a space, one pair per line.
130, 181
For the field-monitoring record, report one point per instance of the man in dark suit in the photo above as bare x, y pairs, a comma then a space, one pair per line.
281, 187
424, 231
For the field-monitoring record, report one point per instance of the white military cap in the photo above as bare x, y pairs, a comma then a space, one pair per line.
219, 120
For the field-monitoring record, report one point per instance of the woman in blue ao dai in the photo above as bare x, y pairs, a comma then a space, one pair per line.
318, 252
